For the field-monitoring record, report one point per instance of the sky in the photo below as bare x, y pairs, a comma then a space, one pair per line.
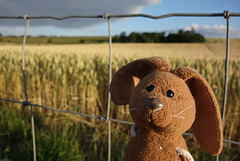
208, 26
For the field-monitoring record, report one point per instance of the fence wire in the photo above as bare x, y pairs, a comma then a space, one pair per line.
225, 14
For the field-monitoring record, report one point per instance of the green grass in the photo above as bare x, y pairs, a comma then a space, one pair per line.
53, 40
57, 139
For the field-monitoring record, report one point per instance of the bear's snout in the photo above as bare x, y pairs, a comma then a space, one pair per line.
154, 104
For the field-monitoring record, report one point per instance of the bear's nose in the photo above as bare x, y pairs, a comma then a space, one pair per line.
154, 104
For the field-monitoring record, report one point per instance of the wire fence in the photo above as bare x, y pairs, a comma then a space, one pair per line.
107, 17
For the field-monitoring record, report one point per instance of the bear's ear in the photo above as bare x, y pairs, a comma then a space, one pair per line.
127, 77
207, 127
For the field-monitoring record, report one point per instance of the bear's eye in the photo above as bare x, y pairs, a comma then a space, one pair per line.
170, 93
150, 88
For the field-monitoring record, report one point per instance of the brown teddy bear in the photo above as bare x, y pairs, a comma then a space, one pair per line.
164, 103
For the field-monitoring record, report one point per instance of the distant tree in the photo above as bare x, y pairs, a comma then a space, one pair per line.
42, 36
49, 41
81, 41
154, 37
133, 37
115, 38
123, 37
181, 32
185, 36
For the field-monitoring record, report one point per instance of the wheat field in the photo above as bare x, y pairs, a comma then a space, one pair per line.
213, 48
74, 77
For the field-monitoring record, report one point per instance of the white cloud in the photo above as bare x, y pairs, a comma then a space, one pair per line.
61, 8
214, 30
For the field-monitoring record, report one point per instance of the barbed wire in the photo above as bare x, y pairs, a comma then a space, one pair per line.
225, 14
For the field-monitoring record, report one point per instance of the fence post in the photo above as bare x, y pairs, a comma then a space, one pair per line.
226, 16
26, 103
106, 16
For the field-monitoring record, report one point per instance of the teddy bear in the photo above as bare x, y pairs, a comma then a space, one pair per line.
164, 103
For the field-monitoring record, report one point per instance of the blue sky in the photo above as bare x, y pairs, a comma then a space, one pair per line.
209, 27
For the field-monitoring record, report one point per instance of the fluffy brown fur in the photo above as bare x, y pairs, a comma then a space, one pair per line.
167, 103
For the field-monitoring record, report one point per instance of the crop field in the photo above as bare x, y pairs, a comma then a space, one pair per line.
74, 77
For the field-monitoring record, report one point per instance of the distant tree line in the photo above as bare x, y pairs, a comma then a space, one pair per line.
154, 37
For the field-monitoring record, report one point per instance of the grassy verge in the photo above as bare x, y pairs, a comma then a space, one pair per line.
53, 40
